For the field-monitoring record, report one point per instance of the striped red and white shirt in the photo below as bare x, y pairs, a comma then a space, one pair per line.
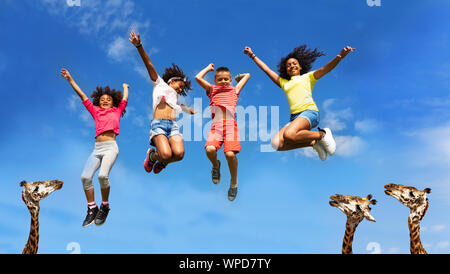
223, 96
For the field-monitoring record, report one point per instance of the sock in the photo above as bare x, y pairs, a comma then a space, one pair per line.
92, 205
150, 156
105, 203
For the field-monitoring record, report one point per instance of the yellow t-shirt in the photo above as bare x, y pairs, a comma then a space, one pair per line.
298, 91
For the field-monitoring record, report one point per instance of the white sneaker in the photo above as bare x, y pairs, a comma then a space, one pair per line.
328, 142
320, 150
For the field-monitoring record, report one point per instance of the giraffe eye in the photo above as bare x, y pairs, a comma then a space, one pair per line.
411, 194
358, 207
36, 189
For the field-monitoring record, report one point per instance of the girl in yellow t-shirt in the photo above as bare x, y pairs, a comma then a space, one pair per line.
297, 82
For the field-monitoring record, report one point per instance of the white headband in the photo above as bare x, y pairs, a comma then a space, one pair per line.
176, 78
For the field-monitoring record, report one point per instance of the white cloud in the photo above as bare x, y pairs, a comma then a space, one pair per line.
120, 49
333, 118
443, 244
438, 228
103, 20
366, 126
432, 145
347, 146
307, 152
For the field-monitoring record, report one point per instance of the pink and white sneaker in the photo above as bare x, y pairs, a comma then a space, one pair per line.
148, 164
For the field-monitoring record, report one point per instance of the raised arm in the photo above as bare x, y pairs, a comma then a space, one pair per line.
187, 109
65, 73
125, 91
200, 77
272, 74
333, 63
242, 80
136, 41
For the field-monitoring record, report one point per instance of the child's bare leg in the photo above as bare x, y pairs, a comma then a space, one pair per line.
232, 165
296, 135
212, 155
177, 147
299, 132
90, 195
163, 150
105, 194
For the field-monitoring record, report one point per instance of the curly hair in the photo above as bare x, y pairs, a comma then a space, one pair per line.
115, 94
175, 71
304, 56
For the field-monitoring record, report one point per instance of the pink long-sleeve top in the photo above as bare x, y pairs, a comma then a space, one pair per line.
105, 119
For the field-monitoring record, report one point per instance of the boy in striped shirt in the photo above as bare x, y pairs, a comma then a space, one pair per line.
223, 99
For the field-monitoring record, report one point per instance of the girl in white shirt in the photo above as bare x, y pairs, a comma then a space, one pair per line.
164, 132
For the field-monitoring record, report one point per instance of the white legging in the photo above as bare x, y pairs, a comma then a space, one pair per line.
103, 157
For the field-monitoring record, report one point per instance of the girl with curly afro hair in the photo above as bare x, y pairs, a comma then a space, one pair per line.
164, 131
107, 107
297, 80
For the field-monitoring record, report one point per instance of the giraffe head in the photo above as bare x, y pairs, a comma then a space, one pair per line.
34, 192
356, 208
411, 197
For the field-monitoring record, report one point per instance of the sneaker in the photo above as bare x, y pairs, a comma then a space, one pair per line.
320, 150
215, 174
90, 217
328, 142
158, 167
101, 215
148, 164
232, 192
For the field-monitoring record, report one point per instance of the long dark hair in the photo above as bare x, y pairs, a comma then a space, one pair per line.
305, 58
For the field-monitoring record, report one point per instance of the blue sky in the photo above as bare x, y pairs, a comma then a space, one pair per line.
387, 103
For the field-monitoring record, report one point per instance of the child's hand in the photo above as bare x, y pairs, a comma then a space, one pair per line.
346, 51
191, 111
135, 40
125, 86
248, 51
210, 67
65, 73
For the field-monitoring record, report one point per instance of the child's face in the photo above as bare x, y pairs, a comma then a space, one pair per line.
293, 67
178, 86
106, 101
222, 78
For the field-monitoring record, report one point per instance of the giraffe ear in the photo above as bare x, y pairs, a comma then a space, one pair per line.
374, 202
23, 183
369, 197
427, 190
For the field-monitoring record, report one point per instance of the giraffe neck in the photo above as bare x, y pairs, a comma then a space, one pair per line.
414, 237
350, 228
33, 239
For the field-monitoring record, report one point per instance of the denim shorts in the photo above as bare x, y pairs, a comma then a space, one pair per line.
312, 116
163, 126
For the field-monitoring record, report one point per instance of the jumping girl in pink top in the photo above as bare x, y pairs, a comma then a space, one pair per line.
107, 108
